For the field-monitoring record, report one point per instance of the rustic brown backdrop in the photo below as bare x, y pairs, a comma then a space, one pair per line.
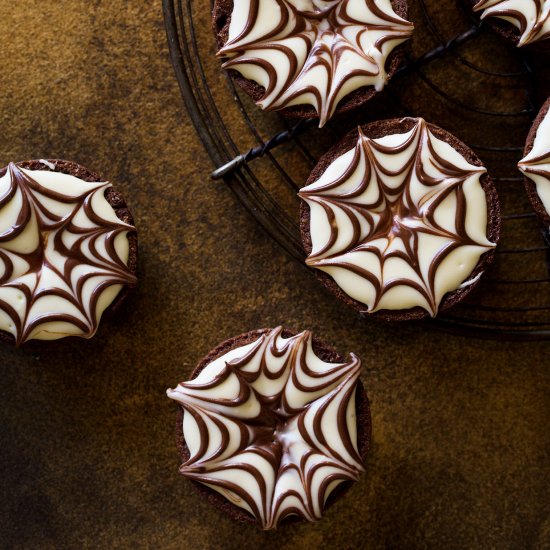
460, 454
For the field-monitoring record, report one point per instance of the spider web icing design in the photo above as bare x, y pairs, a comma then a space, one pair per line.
398, 221
311, 51
272, 427
63, 254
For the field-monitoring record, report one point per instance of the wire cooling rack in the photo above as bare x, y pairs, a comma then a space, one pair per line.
457, 74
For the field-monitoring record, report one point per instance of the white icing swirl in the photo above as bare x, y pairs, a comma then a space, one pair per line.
531, 17
63, 254
311, 51
272, 427
536, 165
399, 221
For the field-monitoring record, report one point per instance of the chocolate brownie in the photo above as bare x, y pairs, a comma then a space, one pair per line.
507, 30
90, 248
221, 19
323, 352
530, 186
377, 130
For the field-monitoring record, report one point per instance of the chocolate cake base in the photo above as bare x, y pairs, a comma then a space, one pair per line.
114, 198
221, 19
327, 354
530, 186
380, 129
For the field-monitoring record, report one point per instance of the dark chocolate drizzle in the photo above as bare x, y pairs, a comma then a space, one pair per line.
394, 214
290, 441
50, 231
329, 32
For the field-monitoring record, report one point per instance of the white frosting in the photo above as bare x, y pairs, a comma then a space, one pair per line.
374, 266
316, 427
60, 208
333, 55
531, 17
536, 165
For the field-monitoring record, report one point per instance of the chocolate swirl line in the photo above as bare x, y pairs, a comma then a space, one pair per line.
531, 17
63, 254
315, 55
399, 221
272, 427
536, 164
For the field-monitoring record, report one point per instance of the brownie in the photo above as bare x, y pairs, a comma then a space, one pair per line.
114, 198
324, 352
221, 19
530, 186
380, 129
511, 33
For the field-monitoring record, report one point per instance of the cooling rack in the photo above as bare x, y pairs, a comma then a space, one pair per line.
457, 74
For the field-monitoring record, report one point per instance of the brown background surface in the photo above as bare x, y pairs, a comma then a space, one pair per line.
87, 454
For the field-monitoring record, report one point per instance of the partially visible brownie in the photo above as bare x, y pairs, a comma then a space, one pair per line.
52, 239
538, 166
540, 44
221, 20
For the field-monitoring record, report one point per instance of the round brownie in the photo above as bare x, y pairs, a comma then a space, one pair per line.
530, 185
123, 273
221, 19
323, 352
380, 129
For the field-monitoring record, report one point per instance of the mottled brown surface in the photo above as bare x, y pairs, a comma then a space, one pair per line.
461, 445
